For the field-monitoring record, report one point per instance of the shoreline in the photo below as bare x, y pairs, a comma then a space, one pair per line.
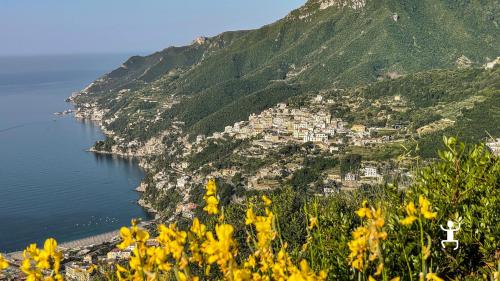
109, 237
139, 189
113, 235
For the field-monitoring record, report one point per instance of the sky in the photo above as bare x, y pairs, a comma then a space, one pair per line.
35, 27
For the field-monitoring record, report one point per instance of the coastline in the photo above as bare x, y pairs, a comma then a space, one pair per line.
90, 113
139, 189
110, 237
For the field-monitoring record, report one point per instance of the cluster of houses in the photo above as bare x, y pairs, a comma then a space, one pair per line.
368, 174
494, 146
82, 269
281, 124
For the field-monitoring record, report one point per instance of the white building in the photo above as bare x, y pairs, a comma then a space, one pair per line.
200, 138
350, 177
182, 181
312, 137
228, 129
329, 131
281, 105
77, 272
494, 146
329, 191
371, 172
318, 99
117, 254
334, 149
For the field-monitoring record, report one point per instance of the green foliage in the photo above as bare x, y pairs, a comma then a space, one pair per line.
462, 186
216, 152
465, 187
238, 73
350, 163
105, 145
311, 172
302, 178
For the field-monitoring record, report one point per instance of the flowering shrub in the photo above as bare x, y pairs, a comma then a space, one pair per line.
367, 239
42, 264
389, 234
3, 263
215, 254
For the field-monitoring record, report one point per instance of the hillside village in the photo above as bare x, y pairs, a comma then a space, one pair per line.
315, 124
341, 101
311, 124
272, 130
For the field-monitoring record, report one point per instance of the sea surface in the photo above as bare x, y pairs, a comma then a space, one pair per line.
50, 186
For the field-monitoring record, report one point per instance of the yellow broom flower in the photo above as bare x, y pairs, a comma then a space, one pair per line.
433, 277
425, 208
3, 263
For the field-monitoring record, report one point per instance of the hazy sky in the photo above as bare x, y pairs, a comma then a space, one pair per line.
125, 26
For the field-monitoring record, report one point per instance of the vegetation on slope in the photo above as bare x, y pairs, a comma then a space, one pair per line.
378, 234
234, 74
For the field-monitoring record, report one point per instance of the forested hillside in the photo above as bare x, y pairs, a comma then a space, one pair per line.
218, 81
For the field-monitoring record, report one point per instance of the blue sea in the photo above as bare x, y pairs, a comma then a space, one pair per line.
50, 186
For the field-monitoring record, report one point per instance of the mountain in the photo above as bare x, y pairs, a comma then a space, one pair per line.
326, 43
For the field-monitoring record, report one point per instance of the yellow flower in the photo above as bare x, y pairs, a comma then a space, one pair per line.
425, 208
172, 240
224, 232
410, 209
266, 200
211, 187
313, 222
364, 211
219, 250
32, 250
182, 276
3, 263
408, 220
43, 260
127, 238
210, 198
42, 264
212, 205
241, 274
395, 279
264, 227
365, 247
141, 236
379, 222
198, 228
433, 277
50, 246
250, 263
250, 216
380, 268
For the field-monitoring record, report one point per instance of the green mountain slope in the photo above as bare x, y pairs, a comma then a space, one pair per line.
325, 43
459, 102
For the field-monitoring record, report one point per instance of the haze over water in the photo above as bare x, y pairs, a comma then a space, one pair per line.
49, 185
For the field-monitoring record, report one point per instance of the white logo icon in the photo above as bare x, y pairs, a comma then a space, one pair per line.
450, 234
